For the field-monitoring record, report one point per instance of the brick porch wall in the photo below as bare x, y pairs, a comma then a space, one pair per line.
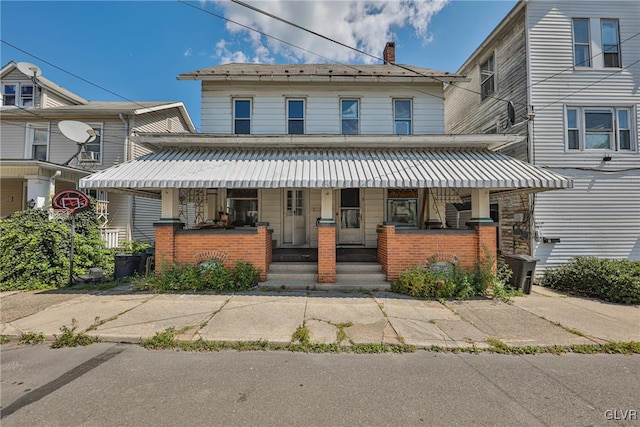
400, 249
326, 253
175, 245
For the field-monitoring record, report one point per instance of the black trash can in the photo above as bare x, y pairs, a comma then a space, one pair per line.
523, 267
126, 265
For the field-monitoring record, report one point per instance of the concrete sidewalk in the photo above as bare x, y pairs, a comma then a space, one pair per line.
543, 318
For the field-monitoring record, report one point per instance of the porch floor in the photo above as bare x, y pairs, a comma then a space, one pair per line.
311, 255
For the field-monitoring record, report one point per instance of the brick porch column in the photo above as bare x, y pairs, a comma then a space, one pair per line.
486, 239
326, 252
266, 247
165, 242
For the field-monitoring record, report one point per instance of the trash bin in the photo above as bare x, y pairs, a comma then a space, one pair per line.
523, 267
126, 265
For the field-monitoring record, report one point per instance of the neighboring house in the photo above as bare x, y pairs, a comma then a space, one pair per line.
33, 149
324, 156
572, 71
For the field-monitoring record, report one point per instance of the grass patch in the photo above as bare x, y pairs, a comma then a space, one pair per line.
4, 339
31, 338
71, 338
301, 335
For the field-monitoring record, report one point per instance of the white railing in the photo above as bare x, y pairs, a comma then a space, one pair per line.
110, 237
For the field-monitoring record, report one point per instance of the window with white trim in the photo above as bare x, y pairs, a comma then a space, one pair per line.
487, 77
610, 42
37, 143
599, 128
242, 116
350, 116
295, 116
20, 94
581, 43
402, 115
92, 151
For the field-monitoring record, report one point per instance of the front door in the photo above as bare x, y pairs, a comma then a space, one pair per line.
349, 231
295, 230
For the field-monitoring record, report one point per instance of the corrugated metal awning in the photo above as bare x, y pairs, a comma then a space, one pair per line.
325, 168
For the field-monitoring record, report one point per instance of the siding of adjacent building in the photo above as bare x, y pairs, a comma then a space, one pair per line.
168, 120
601, 215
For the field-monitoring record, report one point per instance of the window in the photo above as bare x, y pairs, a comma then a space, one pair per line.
242, 207
581, 44
599, 128
295, 116
610, 42
37, 141
402, 207
242, 116
487, 78
402, 116
350, 115
17, 94
93, 150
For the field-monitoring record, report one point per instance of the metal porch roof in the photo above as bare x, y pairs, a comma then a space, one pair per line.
325, 168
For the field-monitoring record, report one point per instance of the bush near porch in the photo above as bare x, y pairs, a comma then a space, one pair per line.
208, 276
608, 279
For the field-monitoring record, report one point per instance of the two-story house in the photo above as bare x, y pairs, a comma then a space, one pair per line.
37, 160
324, 156
572, 71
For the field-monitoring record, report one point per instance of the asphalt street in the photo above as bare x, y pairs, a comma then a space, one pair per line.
126, 385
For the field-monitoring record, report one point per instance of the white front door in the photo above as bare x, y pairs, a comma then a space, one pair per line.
349, 217
295, 230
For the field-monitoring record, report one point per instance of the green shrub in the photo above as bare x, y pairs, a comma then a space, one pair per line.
208, 276
132, 247
608, 279
35, 250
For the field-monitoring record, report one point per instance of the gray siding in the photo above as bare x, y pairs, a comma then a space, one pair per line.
144, 213
12, 139
169, 120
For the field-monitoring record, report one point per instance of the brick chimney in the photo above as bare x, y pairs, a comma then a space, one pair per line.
389, 53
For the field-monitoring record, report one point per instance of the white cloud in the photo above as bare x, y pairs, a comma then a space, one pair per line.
188, 52
366, 25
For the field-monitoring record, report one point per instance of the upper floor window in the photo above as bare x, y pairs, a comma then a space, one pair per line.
37, 142
350, 116
610, 42
295, 116
599, 128
242, 116
581, 43
487, 77
402, 116
93, 150
20, 94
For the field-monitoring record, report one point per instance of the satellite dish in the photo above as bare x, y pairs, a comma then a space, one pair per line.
511, 113
29, 69
79, 132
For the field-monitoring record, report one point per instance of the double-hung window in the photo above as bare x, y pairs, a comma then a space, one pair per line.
350, 116
610, 42
599, 128
242, 206
487, 77
581, 43
242, 116
18, 94
93, 150
37, 144
295, 116
402, 117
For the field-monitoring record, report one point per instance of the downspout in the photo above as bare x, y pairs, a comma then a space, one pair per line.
127, 155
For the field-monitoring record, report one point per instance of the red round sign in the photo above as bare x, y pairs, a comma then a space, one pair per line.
70, 200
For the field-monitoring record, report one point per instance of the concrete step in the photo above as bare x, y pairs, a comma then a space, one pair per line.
358, 267
293, 267
299, 285
292, 276
360, 277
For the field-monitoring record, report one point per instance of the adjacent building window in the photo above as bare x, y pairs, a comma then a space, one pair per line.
17, 94
242, 116
295, 116
402, 117
599, 128
37, 141
242, 207
350, 116
487, 77
93, 150
610, 42
581, 43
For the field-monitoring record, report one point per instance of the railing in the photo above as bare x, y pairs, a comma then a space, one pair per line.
110, 237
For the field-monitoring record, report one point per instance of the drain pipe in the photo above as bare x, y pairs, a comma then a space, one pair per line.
127, 155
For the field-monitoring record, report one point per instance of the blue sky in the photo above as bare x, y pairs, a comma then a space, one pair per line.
136, 49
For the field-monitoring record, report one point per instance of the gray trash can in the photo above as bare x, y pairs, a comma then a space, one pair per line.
523, 267
126, 265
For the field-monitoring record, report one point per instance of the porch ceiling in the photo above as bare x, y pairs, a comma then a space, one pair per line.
326, 168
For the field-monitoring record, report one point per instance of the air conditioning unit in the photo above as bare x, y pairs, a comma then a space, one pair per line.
89, 156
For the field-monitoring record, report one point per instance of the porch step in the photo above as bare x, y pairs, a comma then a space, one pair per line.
283, 272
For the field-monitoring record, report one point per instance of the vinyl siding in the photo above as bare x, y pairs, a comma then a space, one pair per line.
119, 205
599, 217
12, 139
52, 100
322, 115
145, 212
169, 120
373, 215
